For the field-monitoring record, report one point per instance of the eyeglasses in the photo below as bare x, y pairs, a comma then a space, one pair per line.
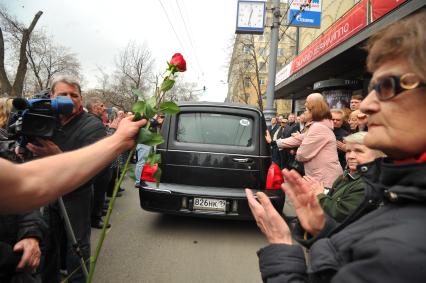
391, 86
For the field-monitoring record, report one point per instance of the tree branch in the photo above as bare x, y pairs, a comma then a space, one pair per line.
23, 60
4, 81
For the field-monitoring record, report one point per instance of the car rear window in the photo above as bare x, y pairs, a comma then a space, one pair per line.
215, 128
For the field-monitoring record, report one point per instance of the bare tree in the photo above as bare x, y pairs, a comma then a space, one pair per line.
103, 79
22, 34
244, 96
254, 63
183, 91
247, 70
134, 67
113, 90
133, 70
47, 60
248, 66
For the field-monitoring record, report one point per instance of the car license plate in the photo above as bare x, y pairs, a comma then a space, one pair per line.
210, 204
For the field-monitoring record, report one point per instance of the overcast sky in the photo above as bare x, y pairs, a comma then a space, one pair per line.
96, 30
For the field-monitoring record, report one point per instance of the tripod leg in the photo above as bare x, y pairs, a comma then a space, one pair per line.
71, 236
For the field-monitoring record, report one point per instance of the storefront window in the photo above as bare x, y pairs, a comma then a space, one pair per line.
337, 99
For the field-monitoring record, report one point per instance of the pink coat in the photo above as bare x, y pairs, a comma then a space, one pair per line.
318, 152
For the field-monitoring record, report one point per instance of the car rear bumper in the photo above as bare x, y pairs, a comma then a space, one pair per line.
179, 199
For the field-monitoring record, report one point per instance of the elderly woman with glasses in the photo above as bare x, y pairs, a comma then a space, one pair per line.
377, 245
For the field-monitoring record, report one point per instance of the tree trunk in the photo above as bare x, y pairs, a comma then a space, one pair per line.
23, 60
5, 86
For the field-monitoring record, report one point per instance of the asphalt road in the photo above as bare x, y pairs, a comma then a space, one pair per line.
150, 247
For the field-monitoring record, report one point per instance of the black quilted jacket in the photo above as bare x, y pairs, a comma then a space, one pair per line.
385, 245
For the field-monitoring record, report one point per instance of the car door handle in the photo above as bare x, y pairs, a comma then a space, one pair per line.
242, 160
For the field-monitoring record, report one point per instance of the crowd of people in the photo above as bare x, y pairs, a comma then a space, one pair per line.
294, 147
38, 243
357, 180
367, 223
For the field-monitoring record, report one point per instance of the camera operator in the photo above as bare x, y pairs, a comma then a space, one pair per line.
66, 171
77, 130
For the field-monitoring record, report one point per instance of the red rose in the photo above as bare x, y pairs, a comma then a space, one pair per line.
179, 62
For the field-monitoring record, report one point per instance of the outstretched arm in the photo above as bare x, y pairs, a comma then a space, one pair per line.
30, 185
291, 142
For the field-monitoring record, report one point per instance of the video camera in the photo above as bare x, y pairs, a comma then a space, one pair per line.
38, 117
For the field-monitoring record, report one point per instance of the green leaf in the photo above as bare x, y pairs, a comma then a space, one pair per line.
157, 175
150, 112
139, 107
154, 140
150, 109
167, 85
169, 107
144, 136
138, 93
153, 158
137, 117
152, 101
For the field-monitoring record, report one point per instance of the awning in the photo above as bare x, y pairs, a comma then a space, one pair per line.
346, 60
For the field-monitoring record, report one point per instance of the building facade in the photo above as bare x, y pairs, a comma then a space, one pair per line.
248, 68
332, 59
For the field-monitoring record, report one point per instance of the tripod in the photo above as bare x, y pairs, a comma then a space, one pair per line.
71, 236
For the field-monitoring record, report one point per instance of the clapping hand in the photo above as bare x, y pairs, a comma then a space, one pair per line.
268, 219
308, 209
316, 187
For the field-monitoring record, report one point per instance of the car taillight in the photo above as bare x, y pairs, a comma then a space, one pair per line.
274, 178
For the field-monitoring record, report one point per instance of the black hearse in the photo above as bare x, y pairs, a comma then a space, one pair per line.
212, 152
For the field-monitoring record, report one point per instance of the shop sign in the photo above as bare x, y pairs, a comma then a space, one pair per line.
305, 13
379, 8
343, 29
337, 84
283, 73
